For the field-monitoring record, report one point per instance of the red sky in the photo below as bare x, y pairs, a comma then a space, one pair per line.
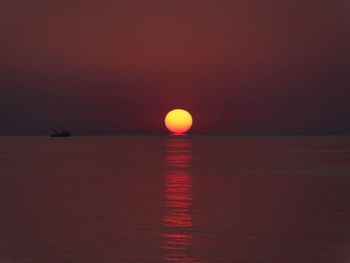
240, 67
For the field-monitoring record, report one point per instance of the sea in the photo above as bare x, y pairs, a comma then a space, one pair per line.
242, 199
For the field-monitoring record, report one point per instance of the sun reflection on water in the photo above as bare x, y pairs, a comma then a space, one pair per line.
178, 200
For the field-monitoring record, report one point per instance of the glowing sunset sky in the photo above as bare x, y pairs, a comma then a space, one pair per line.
246, 67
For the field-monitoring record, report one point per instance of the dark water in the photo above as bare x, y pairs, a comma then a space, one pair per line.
175, 199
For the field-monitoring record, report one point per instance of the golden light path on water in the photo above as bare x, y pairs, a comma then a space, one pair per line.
178, 200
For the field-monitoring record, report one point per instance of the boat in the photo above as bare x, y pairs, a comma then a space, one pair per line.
62, 133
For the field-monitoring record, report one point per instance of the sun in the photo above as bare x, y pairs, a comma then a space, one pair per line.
178, 121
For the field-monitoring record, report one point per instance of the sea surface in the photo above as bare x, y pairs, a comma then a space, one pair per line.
175, 199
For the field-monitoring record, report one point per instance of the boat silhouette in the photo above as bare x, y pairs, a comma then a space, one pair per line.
62, 133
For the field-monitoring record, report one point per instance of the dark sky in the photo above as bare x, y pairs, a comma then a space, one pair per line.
240, 67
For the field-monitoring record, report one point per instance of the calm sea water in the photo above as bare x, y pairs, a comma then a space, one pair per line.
175, 199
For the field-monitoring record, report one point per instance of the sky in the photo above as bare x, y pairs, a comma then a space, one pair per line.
117, 67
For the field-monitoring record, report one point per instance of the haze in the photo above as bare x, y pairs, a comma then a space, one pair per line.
239, 67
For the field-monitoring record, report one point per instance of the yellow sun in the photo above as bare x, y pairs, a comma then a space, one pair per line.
178, 121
